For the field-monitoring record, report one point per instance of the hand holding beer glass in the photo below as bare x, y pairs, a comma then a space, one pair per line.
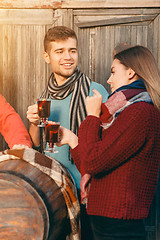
51, 135
43, 110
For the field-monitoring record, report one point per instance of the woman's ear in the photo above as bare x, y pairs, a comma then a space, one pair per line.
131, 73
46, 57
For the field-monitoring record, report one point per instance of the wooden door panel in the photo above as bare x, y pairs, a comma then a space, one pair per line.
99, 31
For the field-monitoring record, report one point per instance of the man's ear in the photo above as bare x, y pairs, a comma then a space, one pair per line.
131, 73
46, 57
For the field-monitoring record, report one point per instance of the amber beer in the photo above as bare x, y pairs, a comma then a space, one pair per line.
44, 108
51, 133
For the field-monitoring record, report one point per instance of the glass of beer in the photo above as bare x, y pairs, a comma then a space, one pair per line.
43, 110
52, 135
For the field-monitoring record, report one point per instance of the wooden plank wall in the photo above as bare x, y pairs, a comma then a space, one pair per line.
99, 31
22, 68
77, 4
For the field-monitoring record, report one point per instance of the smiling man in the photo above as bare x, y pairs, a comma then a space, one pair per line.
67, 88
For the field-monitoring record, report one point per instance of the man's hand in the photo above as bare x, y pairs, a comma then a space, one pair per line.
67, 137
32, 114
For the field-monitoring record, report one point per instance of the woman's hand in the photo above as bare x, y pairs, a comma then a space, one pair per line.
85, 186
93, 104
67, 137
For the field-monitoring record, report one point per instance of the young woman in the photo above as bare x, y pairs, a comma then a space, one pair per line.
118, 147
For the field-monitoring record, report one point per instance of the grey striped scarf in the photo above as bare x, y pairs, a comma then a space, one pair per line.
79, 84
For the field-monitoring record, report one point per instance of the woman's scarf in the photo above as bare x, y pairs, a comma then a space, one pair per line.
121, 99
79, 84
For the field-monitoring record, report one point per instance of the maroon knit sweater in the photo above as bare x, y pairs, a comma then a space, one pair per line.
123, 161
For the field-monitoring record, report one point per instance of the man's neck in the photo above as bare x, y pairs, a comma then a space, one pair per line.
60, 80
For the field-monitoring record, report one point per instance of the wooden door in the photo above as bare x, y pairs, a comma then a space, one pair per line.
100, 30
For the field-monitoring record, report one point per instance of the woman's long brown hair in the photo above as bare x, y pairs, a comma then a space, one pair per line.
142, 61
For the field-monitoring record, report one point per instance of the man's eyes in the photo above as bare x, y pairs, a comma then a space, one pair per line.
59, 51
73, 51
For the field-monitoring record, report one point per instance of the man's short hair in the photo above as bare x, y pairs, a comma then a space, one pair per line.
58, 33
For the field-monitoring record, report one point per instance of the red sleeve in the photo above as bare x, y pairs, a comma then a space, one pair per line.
118, 143
76, 158
11, 125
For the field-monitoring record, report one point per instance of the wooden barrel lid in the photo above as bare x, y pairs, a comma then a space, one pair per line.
23, 214
30, 203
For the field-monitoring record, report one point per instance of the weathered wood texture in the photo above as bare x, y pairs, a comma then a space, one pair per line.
32, 205
22, 68
100, 31
77, 4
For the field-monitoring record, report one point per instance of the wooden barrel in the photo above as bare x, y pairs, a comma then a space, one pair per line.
31, 204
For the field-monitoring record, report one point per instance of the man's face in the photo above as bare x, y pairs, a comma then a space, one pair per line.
63, 57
